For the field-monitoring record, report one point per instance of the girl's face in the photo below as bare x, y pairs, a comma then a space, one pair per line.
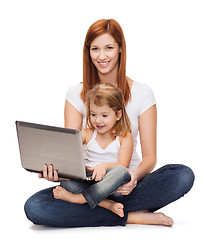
103, 118
104, 52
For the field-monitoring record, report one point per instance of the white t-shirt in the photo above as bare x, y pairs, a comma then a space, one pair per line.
142, 98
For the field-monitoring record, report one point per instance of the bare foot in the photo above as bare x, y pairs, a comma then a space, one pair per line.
115, 207
63, 194
146, 217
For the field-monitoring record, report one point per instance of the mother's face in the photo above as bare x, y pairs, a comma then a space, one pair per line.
104, 52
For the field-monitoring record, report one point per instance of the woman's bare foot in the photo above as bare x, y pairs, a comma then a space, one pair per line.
63, 194
146, 217
115, 207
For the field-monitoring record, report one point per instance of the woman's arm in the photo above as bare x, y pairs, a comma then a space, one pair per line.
147, 130
148, 137
72, 119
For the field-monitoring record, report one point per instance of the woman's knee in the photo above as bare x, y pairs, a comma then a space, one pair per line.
186, 178
36, 204
31, 210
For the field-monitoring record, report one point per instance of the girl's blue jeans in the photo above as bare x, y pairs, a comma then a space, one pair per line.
95, 192
152, 192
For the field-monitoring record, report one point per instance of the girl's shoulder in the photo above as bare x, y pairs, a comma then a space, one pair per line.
87, 134
126, 138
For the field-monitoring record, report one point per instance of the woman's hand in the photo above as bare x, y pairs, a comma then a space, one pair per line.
128, 187
50, 174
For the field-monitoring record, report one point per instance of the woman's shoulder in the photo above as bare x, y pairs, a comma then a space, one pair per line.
138, 87
73, 96
142, 97
75, 88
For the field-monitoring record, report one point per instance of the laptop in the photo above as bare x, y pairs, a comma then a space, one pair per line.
61, 147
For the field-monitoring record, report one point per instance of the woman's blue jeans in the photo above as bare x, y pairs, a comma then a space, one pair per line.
152, 192
95, 192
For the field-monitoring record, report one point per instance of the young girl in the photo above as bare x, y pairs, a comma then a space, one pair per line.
109, 146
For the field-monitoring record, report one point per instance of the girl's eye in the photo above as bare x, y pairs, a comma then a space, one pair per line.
93, 115
105, 115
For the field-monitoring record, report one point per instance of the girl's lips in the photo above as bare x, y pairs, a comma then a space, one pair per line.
100, 127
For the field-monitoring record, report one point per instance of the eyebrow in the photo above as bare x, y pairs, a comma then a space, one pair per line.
101, 113
110, 44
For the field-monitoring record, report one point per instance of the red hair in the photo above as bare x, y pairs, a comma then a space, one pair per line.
90, 74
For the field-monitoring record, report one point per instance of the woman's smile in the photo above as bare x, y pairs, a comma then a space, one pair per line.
104, 64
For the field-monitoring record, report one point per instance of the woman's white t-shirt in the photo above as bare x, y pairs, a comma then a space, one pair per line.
142, 98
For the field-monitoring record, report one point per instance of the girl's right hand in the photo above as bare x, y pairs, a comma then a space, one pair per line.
99, 172
50, 174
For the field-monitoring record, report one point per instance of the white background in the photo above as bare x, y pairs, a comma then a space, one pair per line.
41, 43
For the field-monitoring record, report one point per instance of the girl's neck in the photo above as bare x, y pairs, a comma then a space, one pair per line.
105, 136
104, 140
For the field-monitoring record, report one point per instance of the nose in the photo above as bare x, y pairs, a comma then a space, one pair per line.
98, 119
102, 55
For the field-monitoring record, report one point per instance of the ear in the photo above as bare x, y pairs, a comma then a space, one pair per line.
120, 49
119, 115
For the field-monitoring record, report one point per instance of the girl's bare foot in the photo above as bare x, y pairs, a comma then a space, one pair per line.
63, 194
146, 217
115, 207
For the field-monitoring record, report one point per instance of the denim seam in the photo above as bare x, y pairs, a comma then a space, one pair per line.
89, 200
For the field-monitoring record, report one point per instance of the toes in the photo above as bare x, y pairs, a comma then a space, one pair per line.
167, 221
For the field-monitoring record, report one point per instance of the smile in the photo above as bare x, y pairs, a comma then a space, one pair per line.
103, 64
100, 126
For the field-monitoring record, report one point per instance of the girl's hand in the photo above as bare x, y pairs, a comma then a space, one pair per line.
128, 187
99, 172
50, 174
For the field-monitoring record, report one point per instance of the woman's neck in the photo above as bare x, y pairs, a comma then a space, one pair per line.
111, 77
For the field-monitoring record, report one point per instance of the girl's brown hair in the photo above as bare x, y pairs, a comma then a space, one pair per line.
90, 74
109, 94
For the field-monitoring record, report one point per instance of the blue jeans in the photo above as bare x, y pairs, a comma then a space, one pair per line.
152, 192
95, 192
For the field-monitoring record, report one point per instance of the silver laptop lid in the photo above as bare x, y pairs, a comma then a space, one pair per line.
61, 147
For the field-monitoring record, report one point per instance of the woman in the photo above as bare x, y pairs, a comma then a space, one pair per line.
104, 61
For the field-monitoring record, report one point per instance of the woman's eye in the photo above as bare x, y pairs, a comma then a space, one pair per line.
109, 48
94, 49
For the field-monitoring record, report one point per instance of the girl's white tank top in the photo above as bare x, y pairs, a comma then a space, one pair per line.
96, 155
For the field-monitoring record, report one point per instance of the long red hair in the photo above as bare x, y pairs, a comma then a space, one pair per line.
90, 74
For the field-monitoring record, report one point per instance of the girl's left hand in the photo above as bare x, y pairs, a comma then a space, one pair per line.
128, 187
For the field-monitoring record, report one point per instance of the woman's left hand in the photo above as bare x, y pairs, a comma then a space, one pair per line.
128, 187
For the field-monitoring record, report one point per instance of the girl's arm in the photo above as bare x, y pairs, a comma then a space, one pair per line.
125, 153
124, 157
73, 119
147, 129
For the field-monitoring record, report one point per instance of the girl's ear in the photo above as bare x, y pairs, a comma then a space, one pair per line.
119, 115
